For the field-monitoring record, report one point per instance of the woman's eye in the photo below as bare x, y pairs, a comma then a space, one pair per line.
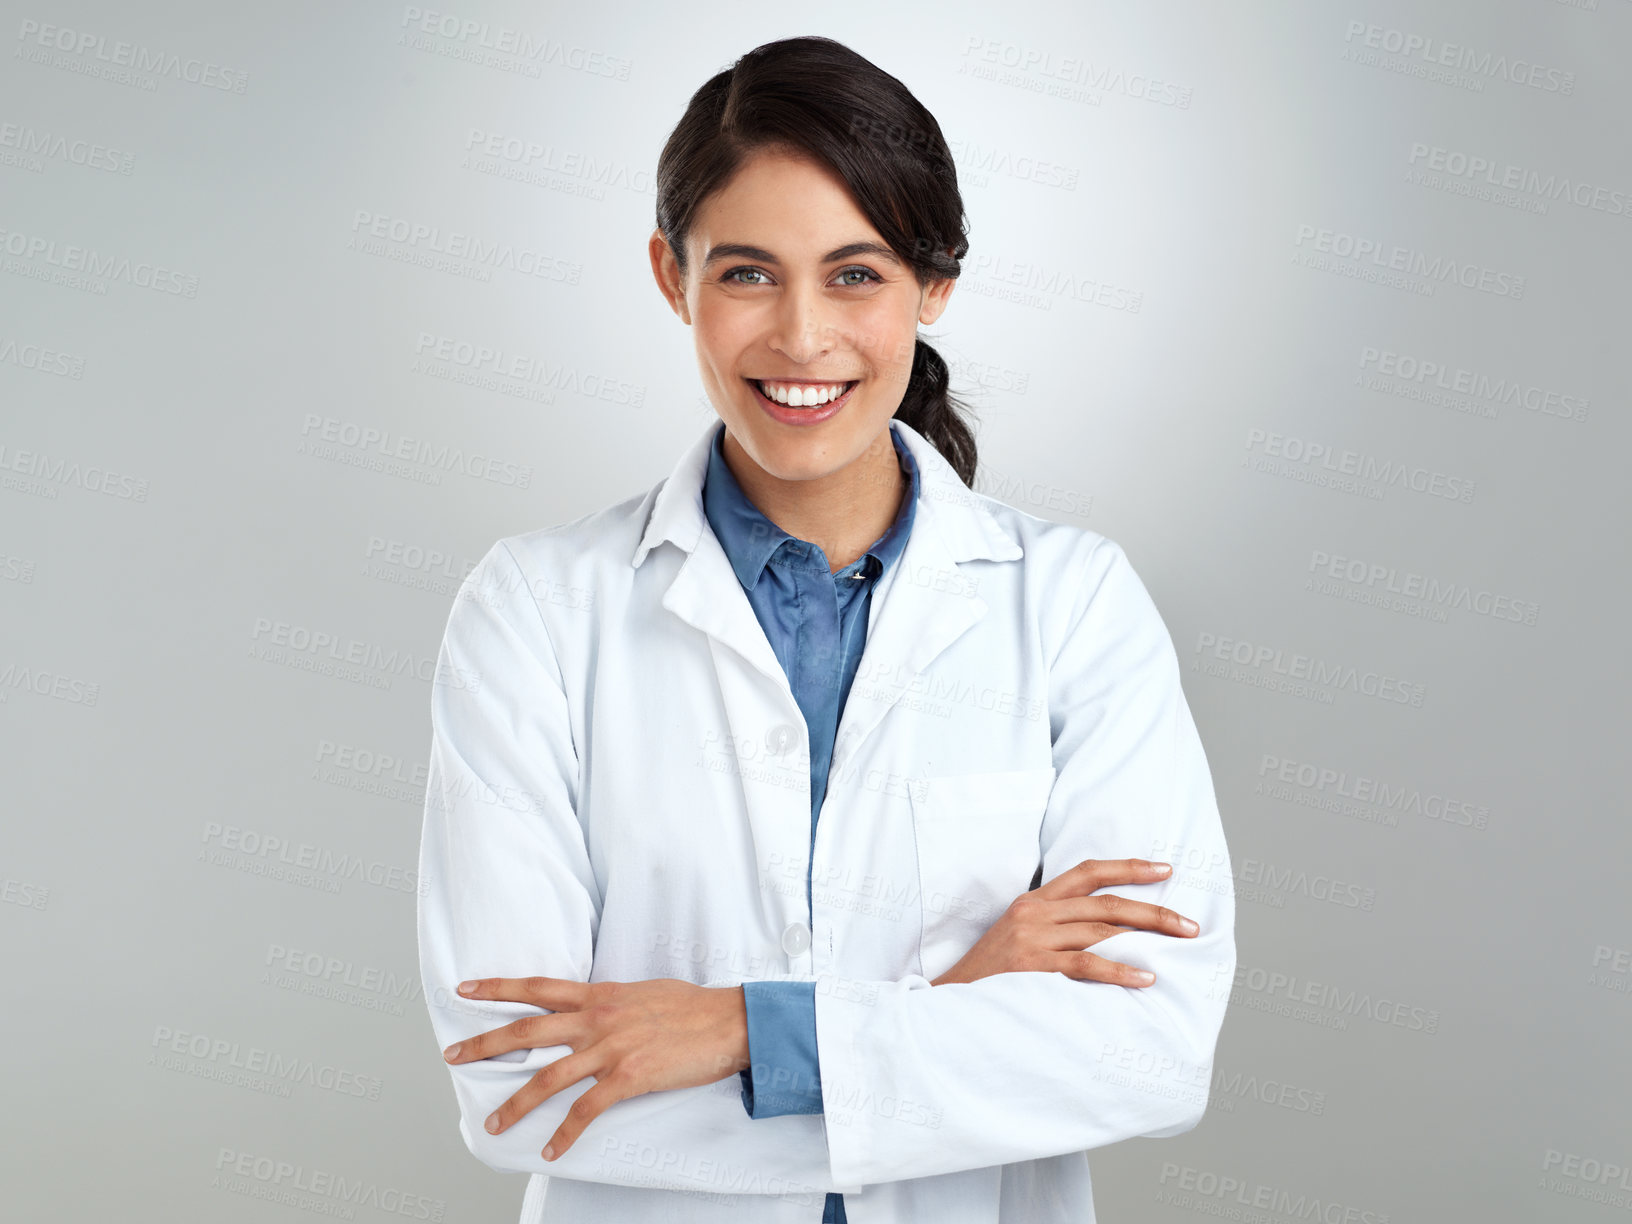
866, 273
730, 277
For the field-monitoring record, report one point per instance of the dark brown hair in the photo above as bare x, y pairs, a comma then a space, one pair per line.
817, 97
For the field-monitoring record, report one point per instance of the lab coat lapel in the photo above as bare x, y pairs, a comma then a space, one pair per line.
707, 595
705, 592
927, 602
927, 606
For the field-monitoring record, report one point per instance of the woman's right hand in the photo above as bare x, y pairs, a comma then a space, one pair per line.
1049, 929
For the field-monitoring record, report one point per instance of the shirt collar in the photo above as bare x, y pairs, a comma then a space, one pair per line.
750, 539
964, 521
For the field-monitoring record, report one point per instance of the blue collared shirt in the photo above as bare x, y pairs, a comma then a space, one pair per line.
816, 622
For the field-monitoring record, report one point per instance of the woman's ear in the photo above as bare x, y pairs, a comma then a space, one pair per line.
933, 300
666, 270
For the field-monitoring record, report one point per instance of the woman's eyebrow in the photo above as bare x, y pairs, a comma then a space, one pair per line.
739, 250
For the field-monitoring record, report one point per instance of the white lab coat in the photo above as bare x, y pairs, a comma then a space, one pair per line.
619, 789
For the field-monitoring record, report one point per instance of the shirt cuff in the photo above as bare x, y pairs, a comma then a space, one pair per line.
784, 1073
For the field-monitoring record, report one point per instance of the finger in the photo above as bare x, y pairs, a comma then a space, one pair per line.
584, 1110
1090, 874
1087, 967
527, 1033
552, 994
1115, 910
545, 1083
556, 994
1146, 914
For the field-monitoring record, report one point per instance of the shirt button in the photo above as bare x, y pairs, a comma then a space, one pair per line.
795, 938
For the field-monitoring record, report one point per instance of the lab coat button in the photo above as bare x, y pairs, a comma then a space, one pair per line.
781, 738
795, 938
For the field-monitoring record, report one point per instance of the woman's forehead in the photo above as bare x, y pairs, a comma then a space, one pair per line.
785, 208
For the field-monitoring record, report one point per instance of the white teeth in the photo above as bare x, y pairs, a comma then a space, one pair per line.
802, 396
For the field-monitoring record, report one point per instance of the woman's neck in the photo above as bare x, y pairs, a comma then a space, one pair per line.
842, 513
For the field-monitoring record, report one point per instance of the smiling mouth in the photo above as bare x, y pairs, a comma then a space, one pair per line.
802, 395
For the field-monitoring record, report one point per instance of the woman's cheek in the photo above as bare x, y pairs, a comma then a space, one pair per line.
886, 340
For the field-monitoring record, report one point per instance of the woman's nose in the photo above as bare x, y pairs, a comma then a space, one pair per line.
802, 331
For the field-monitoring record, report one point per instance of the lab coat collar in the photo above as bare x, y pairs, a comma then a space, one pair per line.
966, 528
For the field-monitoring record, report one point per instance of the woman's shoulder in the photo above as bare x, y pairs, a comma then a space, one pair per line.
610, 533
1051, 547
571, 565
1073, 574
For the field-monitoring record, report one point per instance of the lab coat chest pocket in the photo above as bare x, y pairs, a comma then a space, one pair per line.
978, 837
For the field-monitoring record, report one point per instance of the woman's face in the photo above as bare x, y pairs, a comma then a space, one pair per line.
803, 306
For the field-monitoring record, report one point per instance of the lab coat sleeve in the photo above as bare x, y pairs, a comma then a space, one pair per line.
507, 890
1017, 1066
784, 1074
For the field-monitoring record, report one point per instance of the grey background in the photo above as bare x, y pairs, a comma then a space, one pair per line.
1429, 1020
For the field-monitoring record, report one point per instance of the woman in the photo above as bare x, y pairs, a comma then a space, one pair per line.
720, 775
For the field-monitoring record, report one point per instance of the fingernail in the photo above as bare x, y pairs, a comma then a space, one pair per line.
466, 987
1187, 926
549, 1152
492, 1124
1144, 975
1160, 867
452, 1052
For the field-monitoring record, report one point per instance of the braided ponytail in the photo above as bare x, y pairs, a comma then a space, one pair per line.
930, 407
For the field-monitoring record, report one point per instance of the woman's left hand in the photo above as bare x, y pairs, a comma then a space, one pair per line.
633, 1037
